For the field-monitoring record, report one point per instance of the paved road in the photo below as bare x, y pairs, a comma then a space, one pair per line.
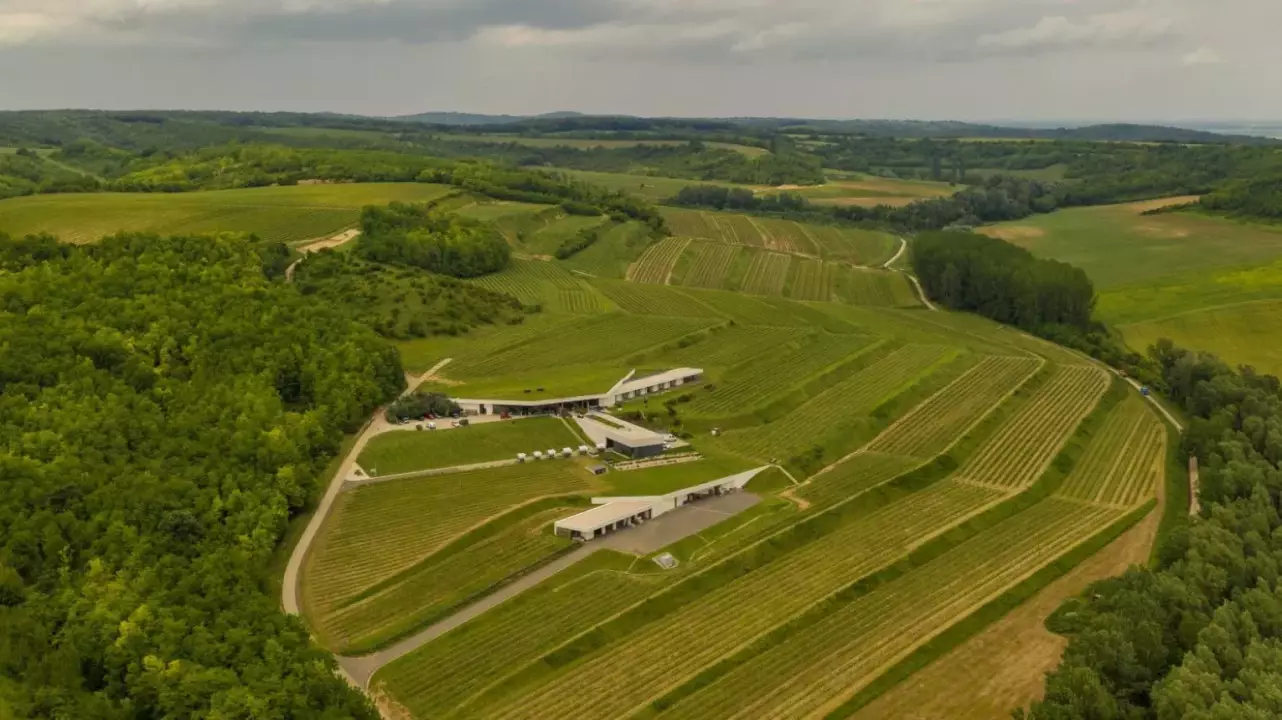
376, 426
360, 669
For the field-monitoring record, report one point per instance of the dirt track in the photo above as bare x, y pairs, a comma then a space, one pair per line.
312, 246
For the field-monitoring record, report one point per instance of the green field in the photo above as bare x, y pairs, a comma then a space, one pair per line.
546, 284
1202, 281
851, 245
610, 256
287, 214
406, 451
1117, 246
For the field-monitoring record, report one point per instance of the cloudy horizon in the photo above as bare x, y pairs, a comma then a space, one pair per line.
1075, 61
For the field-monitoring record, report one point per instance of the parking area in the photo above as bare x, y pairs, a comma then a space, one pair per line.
679, 524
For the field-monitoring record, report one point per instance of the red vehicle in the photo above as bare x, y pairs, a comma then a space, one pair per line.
505, 416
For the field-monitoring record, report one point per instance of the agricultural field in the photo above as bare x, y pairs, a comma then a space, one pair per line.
588, 143
382, 529
935, 424
545, 240
407, 451
610, 256
752, 384
706, 264
766, 274
757, 619
286, 214
548, 285
845, 402
869, 190
656, 263
879, 288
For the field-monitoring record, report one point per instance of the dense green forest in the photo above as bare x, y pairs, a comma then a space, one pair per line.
425, 237
1255, 199
402, 303
993, 278
1200, 635
165, 407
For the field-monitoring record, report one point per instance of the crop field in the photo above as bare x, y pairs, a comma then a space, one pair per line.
812, 280
878, 288
1019, 453
710, 264
932, 426
601, 338
869, 190
657, 261
501, 212
610, 256
767, 273
641, 299
752, 384
732, 346
813, 671
652, 188
381, 529
854, 475
1124, 463
785, 236
861, 247
849, 399
408, 450
442, 581
286, 214
698, 633
535, 282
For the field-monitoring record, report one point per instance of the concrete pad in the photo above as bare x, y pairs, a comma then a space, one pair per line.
679, 524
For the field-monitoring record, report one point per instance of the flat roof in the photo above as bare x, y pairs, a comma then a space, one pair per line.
656, 379
590, 521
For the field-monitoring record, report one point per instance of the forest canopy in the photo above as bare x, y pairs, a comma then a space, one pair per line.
425, 237
966, 271
164, 408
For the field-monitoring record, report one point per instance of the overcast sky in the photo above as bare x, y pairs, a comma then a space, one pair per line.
930, 59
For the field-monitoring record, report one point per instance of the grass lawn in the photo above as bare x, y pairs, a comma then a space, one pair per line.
287, 214
1117, 246
410, 450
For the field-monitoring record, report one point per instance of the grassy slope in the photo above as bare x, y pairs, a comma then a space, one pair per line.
275, 213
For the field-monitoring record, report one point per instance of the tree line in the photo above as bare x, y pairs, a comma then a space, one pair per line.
165, 408
990, 277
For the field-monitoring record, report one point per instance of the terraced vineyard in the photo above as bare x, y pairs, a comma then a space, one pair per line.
1124, 464
767, 273
654, 300
535, 282
710, 265
1020, 452
811, 673
932, 426
812, 280
854, 475
854, 397
702, 631
733, 346
877, 288
442, 580
754, 383
381, 529
657, 262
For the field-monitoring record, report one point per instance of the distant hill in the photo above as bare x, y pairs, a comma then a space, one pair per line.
458, 118
1116, 132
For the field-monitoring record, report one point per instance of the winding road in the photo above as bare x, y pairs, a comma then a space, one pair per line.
921, 292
